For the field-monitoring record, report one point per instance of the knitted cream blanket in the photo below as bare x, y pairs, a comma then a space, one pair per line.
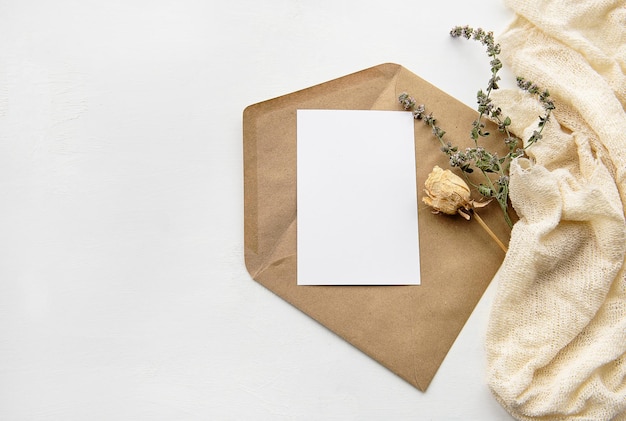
556, 340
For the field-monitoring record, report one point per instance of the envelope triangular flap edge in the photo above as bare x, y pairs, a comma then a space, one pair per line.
408, 329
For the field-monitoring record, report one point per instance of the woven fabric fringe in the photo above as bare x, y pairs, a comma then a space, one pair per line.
556, 339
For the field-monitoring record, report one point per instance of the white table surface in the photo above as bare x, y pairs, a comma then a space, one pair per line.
123, 293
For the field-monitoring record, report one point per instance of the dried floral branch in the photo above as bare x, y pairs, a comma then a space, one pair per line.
495, 169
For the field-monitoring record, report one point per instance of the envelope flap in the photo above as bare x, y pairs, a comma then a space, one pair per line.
408, 329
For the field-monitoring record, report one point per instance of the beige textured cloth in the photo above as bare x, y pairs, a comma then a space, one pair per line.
556, 340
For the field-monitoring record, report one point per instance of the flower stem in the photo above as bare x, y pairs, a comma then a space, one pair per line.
491, 234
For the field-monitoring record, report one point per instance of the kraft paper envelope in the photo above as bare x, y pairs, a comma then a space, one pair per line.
408, 329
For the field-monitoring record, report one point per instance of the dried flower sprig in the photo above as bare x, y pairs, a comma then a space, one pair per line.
494, 168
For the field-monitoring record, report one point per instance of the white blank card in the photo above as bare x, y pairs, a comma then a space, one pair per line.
357, 200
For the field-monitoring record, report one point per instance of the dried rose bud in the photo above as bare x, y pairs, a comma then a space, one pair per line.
447, 193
